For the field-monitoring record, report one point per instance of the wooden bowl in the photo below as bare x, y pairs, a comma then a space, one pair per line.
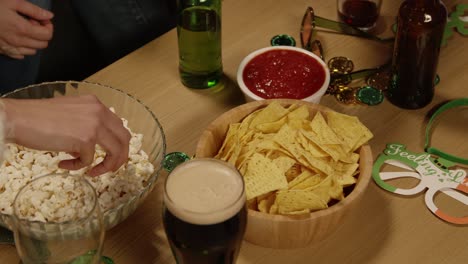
280, 231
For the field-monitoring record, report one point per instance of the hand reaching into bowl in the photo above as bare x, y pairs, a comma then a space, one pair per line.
70, 124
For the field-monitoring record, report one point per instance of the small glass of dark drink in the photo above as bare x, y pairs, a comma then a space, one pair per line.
204, 212
362, 14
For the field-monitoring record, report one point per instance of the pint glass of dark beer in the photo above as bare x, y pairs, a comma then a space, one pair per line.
204, 212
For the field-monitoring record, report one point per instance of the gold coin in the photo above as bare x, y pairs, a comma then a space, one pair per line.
340, 65
346, 95
334, 88
379, 80
339, 79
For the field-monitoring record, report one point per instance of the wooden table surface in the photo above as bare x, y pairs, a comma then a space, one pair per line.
386, 228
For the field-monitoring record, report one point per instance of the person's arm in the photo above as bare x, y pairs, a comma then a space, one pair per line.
70, 124
24, 28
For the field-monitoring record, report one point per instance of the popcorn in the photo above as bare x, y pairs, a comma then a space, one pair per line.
56, 199
21, 165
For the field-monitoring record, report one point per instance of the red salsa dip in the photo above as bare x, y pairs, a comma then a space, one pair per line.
282, 73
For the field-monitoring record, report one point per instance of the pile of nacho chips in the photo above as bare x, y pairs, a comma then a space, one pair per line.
294, 162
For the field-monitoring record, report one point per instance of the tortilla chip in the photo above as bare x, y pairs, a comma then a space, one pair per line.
293, 165
293, 172
266, 202
345, 173
297, 200
273, 112
349, 129
262, 176
300, 113
284, 163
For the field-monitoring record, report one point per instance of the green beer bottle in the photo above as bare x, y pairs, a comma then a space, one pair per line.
199, 41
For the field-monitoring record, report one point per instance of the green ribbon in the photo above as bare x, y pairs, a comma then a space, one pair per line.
454, 22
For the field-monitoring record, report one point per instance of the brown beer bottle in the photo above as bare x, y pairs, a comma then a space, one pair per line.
421, 25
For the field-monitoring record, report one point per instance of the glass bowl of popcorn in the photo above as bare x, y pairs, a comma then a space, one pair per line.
119, 193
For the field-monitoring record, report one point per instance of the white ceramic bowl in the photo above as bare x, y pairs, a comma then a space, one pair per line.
250, 96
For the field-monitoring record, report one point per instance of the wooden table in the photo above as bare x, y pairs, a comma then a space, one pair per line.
386, 228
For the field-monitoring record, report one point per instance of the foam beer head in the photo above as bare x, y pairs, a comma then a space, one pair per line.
204, 191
